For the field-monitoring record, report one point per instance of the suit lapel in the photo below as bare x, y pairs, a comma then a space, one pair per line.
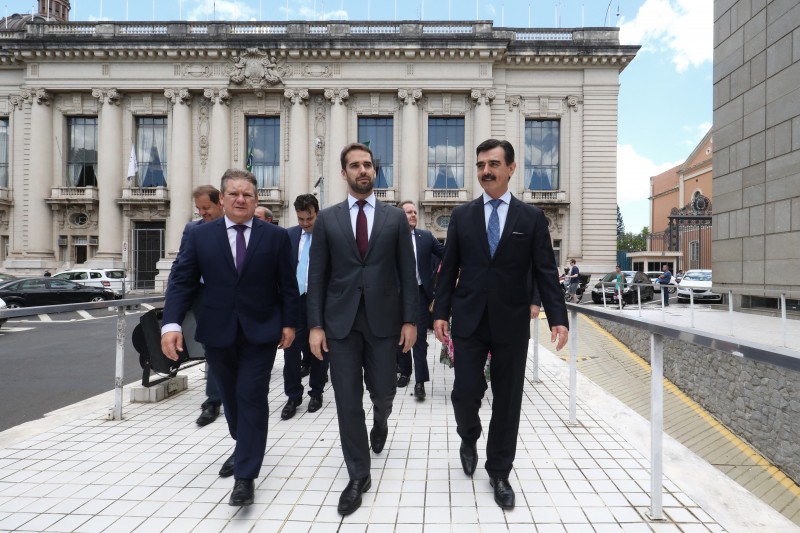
479, 217
381, 213
342, 215
511, 219
224, 243
256, 233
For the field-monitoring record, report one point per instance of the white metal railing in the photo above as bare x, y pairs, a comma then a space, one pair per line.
776, 356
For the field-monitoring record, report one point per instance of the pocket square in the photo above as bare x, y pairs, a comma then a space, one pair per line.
517, 233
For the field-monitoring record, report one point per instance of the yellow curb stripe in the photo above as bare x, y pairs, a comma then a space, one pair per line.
742, 446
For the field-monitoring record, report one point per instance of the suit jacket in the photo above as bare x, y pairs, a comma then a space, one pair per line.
470, 280
427, 247
263, 299
295, 232
338, 277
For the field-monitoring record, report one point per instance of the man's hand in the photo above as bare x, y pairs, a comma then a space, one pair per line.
535, 310
561, 333
317, 342
408, 336
171, 344
440, 329
287, 338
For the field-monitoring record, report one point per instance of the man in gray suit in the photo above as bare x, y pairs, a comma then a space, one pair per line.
362, 303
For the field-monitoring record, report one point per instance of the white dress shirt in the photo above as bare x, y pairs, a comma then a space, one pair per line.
369, 211
502, 210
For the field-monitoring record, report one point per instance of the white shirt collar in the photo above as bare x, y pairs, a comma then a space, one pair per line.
505, 197
351, 200
229, 223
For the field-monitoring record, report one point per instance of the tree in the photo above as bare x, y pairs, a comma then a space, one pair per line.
633, 242
620, 223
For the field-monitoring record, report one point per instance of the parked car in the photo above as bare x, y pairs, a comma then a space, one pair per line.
2, 306
29, 292
657, 286
697, 284
6, 277
629, 291
109, 278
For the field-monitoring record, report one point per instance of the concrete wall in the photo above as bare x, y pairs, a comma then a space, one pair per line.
758, 402
757, 143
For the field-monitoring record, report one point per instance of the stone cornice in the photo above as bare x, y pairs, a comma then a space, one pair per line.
178, 96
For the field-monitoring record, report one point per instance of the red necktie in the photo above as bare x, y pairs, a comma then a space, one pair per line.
361, 229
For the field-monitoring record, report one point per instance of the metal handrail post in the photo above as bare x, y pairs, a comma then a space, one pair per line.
120, 362
730, 312
783, 319
573, 366
656, 426
639, 298
603, 292
663, 307
619, 298
536, 349
691, 308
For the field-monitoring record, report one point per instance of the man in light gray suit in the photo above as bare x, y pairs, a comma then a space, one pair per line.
362, 303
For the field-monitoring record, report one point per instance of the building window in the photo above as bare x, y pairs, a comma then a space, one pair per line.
4, 152
446, 153
263, 151
541, 155
694, 254
151, 152
82, 152
378, 134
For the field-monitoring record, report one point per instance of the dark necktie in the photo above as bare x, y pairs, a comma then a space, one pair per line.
362, 238
493, 229
241, 246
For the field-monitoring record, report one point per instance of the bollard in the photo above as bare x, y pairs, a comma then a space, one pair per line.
120, 362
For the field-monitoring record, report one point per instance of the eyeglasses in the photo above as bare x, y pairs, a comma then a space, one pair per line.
234, 195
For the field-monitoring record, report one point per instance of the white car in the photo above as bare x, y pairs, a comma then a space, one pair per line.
108, 278
696, 284
2, 306
657, 286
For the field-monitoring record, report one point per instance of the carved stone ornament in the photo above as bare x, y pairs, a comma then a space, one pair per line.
222, 96
107, 96
23, 96
337, 96
42, 97
514, 101
257, 69
573, 102
296, 96
178, 96
483, 96
409, 96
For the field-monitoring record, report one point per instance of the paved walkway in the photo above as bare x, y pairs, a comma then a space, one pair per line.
157, 471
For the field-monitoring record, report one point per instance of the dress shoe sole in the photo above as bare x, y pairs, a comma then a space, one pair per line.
356, 504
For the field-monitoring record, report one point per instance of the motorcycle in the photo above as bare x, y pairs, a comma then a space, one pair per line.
584, 281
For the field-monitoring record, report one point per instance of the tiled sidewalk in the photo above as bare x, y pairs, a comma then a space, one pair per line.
157, 471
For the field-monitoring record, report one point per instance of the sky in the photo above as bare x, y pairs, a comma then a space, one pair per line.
665, 101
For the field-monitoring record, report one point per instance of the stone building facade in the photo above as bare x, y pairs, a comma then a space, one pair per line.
757, 149
106, 128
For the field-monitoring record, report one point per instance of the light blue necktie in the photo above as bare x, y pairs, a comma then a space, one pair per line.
302, 267
493, 229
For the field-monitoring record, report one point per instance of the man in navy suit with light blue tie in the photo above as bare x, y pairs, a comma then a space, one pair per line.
306, 206
426, 246
250, 309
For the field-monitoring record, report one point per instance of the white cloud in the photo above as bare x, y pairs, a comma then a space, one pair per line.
222, 10
684, 27
633, 174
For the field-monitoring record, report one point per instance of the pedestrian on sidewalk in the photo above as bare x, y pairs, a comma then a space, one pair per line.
664, 280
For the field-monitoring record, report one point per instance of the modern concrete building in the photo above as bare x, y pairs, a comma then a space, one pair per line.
757, 148
105, 128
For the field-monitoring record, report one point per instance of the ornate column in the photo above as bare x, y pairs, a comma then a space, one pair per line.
336, 186
110, 175
482, 126
572, 174
516, 136
179, 169
411, 179
38, 225
219, 142
297, 175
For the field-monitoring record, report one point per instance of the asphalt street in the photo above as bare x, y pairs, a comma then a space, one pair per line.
52, 361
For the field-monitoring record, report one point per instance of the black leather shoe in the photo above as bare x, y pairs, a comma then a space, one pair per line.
419, 391
350, 500
242, 493
469, 457
314, 403
377, 437
209, 414
503, 493
227, 466
402, 381
290, 408
304, 370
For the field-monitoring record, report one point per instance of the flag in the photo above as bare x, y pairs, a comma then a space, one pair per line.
249, 164
132, 164
154, 177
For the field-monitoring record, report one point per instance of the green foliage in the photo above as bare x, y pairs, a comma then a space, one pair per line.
620, 223
633, 242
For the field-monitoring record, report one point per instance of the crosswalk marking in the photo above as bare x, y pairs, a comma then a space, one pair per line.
84, 314
45, 318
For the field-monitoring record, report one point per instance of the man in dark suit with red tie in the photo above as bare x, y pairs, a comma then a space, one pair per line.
250, 309
362, 304
498, 251
426, 247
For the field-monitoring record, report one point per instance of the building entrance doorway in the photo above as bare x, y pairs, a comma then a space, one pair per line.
148, 248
